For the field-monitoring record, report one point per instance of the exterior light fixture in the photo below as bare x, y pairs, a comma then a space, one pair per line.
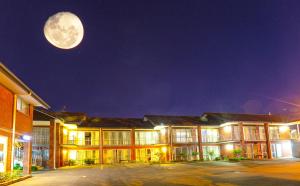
227, 129
164, 149
229, 147
159, 127
283, 129
26, 137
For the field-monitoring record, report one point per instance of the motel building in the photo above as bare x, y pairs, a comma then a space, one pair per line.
17, 103
64, 138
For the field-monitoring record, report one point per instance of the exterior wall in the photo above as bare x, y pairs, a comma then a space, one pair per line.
230, 137
6, 120
24, 122
6, 109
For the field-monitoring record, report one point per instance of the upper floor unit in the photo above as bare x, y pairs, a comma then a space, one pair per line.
211, 128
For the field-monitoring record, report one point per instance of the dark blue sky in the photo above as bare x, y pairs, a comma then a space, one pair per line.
160, 57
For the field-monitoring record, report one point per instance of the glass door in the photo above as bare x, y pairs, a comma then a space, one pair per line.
3, 153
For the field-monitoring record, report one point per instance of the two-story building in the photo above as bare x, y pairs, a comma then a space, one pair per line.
157, 138
16, 113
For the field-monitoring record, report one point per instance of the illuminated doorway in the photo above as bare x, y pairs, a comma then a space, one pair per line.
3, 153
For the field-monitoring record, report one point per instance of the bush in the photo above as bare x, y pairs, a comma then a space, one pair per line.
71, 162
235, 159
7, 176
89, 161
18, 167
217, 159
237, 152
34, 168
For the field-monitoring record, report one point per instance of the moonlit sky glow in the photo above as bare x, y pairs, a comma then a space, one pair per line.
160, 57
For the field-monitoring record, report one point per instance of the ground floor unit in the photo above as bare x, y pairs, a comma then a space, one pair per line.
245, 173
163, 154
21, 156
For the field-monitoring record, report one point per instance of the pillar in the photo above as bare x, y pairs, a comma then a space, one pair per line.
170, 142
242, 139
200, 143
101, 146
132, 147
51, 162
268, 143
27, 158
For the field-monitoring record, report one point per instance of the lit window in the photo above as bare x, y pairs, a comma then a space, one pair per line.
22, 106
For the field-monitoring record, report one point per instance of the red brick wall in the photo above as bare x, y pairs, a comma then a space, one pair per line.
24, 122
6, 108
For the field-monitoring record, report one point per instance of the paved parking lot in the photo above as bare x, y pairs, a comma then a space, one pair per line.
265, 173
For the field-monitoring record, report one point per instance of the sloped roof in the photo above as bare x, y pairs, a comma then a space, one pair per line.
219, 118
174, 120
117, 123
71, 117
40, 114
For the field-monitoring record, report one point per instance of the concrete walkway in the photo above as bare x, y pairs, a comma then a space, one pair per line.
264, 173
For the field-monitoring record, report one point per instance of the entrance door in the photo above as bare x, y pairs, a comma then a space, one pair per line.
3, 153
276, 150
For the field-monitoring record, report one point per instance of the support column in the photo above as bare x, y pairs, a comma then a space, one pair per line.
170, 142
13, 136
27, 158
242, 139
200, 143
51, 163
101, 146
268, 143
59, 149
298, 132
132, 147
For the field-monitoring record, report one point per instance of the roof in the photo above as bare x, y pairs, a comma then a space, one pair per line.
12, 82
42, 115
138, 123
219, 118
71, 117
174, 120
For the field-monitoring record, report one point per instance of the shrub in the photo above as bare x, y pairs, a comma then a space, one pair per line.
34, 168
71, 162
89, 161
18, 167
235, 159
195, 153
217, 159
237, 152
7, 176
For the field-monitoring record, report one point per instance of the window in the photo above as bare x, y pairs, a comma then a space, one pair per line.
40, 135
185, 135
274, 133
22, 106
211, 152
252, 133
210, 135
114, 138
146, 137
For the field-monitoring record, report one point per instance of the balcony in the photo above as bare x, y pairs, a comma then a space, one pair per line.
210, 139
86, 142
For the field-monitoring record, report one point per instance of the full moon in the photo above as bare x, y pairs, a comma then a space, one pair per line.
64, 30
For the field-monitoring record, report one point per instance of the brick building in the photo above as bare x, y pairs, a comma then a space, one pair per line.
17, 102
75, 138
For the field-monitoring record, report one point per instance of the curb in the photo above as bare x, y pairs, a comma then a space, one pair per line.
15, 180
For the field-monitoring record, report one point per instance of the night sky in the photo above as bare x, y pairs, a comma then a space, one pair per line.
160, 57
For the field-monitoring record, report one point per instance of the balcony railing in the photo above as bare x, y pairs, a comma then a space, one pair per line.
83, 142
112, 142
210, 139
